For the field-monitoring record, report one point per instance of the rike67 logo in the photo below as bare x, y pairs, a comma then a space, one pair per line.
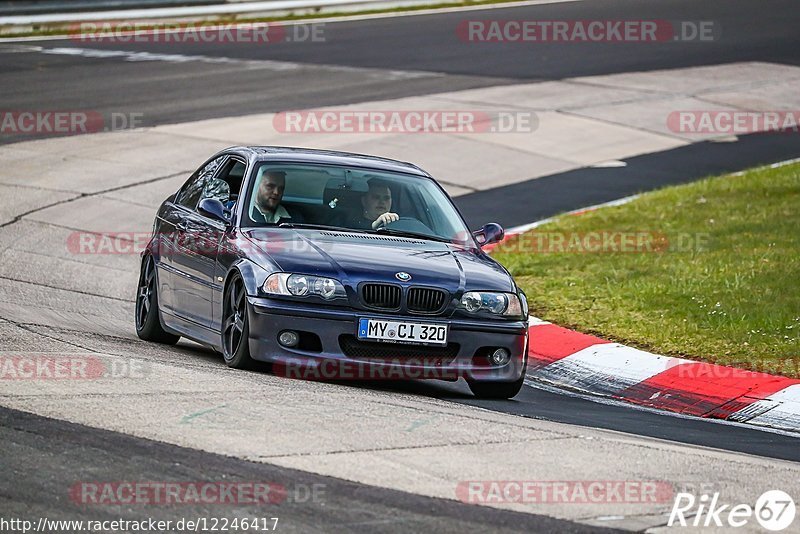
774, 510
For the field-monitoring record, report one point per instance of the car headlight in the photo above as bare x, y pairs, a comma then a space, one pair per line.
504, 304
303, 285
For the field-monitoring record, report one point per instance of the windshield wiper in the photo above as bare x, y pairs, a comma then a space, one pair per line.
382, 230
406, 233
319, 227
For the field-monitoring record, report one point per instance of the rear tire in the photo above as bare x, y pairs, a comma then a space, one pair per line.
236, 326
148, 322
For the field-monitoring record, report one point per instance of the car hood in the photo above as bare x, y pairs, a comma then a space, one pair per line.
356, 257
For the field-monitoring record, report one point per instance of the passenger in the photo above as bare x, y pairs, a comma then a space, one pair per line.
267, 208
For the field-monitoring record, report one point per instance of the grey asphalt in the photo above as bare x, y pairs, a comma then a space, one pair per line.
51, 457
168, 92
48, 453
579, 188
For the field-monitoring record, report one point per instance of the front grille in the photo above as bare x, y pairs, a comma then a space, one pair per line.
425, 300
370, 350
381, 296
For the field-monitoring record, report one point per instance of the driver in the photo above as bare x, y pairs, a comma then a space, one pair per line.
376, 206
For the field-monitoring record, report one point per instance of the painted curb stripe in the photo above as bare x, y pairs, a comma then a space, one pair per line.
705, 390
570, 359
550, 343
586, 363
606, 369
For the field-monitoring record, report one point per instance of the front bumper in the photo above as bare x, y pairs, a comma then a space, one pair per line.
468, 342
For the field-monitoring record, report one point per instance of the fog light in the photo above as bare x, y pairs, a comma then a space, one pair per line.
288, 338
500, 357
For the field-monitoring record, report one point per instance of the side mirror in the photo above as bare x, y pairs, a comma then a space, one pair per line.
490, 233
213, 208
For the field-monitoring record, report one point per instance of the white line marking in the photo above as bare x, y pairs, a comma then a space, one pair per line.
133, 56
783, 163
19, 49
610, 164
619, 202
531, 226
724, 139
271, 6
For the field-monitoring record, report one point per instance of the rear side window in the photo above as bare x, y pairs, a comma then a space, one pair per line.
192, 190
233, 174
226, 184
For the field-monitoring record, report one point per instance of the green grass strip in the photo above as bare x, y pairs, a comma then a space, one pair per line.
708, 270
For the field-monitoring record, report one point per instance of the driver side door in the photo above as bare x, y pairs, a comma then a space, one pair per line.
192, 250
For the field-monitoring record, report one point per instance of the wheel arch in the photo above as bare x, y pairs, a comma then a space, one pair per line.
252, 276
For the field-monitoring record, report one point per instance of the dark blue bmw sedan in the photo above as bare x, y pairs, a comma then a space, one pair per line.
331, 265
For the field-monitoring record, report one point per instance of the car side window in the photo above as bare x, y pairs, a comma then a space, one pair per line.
226, 184
218, 189
191, 192
233, 174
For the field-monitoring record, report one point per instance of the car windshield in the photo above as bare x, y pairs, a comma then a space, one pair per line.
353, 199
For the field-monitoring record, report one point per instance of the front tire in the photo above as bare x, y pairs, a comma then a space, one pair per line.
496, 390
499, 390
236, 326
148, 322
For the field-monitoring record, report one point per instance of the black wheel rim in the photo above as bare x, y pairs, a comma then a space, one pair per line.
144, 294
233, 324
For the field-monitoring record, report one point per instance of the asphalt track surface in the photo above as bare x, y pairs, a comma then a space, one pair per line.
165, 92
340, 69
47, 453
588, 186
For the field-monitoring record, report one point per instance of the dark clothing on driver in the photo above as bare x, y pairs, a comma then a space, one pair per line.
359, 222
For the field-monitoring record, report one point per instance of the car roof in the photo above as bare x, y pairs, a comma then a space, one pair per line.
330, 157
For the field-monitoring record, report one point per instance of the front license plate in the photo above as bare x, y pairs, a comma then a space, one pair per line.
402, 332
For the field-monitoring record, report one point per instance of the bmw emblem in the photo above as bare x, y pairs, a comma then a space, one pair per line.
403, 276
